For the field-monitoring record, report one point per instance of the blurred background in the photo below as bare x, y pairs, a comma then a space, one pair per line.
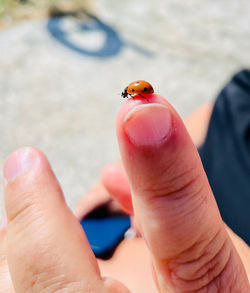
63, 65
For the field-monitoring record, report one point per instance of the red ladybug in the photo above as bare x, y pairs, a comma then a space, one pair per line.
139, 88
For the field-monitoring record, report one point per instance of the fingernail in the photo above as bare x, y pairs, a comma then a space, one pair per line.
148, 124
18, 163
4, 222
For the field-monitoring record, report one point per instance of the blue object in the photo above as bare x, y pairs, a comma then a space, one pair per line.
104, 234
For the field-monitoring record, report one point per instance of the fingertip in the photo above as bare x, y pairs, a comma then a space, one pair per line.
21, 161
137, 100
148, 124
107, 171
152, 124
28, 176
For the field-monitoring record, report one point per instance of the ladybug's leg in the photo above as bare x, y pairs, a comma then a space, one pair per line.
143, 97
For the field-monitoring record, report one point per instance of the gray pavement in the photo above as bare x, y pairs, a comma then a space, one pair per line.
60, 81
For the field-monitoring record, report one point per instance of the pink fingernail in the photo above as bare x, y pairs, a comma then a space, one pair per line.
148, 124
19, 162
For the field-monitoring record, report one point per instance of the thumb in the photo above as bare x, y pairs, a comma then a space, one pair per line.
47, 250
173, 202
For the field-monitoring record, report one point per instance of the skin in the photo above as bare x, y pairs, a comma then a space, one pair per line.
190, 247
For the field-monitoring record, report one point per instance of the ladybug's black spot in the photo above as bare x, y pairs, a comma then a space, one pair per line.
145, 89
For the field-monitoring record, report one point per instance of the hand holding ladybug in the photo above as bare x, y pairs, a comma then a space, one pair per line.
44, 249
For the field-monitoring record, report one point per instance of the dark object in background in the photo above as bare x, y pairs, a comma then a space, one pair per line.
112, 42
225, 154
84, 22
105, 229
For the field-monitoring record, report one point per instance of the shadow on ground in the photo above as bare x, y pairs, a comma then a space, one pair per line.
85, 22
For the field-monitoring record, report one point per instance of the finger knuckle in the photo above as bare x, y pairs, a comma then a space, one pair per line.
175, 185
46, 282
203, 271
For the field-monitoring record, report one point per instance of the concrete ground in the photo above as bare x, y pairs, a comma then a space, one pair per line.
60, 79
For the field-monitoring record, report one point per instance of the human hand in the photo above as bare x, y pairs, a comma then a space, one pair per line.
114, 181
173, 203
43, 248
42, 228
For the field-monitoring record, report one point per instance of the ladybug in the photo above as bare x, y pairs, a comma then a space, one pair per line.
139, 88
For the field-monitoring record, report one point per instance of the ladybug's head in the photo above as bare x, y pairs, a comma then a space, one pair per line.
124, 94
